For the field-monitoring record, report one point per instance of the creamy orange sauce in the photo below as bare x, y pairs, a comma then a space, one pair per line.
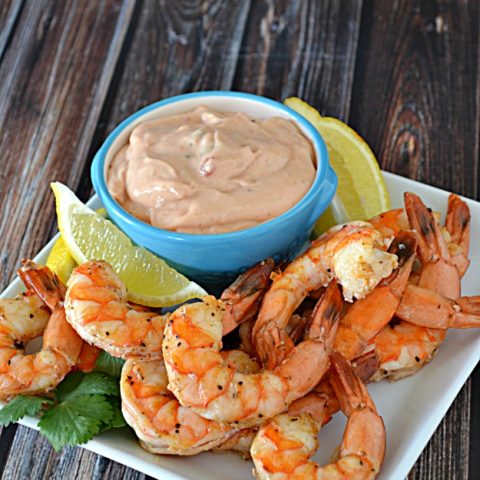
205, 171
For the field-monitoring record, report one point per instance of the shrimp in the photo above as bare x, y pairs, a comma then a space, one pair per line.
284, 445
353, 254
366, 317
243, 297
438, 272
22, 319
456, 231
51, 290
160, 422
427, 308
41, 280
457, 224
403, 348
97, 308
201, 379
391, 223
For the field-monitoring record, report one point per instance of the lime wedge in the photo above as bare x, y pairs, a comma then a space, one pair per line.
361, 192
89, 236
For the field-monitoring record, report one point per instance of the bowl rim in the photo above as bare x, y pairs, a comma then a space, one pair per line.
97, 172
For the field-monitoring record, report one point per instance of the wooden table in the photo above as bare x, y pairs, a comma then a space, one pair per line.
404, 74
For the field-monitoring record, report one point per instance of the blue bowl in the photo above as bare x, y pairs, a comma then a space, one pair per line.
214, 260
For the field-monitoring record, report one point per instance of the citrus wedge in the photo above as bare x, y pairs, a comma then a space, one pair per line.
60, 261
361, 192
89, 236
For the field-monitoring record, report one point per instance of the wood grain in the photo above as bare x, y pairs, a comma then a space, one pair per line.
9, 13
175, 47
404, 73
170, 48
415, 100
417, 87
303, 48
178, 47
54, 76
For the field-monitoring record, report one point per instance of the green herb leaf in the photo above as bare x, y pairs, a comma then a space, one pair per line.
108, 364
76, 420
117, 421
68, 385
20, 406
96, 383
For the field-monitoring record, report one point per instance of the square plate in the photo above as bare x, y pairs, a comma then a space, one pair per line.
412, 408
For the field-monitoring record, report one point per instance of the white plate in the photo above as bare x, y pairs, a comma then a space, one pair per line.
412, 408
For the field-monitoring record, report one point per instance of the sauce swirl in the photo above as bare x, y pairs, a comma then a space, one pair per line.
205, 171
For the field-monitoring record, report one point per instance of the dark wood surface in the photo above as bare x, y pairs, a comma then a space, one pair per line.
405, 74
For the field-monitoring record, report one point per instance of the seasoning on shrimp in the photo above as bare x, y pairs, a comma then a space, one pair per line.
284, 445
22, 319
202, 380
96, 306
353, 254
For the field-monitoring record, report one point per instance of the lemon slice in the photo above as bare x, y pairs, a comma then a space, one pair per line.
361, 192
89, 236
60, 261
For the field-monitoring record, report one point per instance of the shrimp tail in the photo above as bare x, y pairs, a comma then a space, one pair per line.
469, 316
323, 329
274, 345
351, 392
43, 282
438, 272
326, 315
243, 298
366, 365
458, 226
364, 436
431, 244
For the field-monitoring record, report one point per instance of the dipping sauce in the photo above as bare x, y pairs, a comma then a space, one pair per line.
205, 171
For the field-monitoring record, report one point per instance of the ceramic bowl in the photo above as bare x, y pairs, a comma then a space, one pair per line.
213, 260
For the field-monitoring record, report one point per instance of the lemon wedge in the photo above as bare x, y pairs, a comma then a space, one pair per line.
89, 236
361, 192
60, 261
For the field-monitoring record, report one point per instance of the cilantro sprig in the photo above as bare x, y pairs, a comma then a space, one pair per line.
82, 406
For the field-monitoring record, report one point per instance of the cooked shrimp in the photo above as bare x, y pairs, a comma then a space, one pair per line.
390, 223
201, 379
366, 317
243, 297
51, 290
403, 348
457, 225
427, 308
46, 285
438, 272
456, 231
353, 254
284, 445
22, 319
160, 422
97, 308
